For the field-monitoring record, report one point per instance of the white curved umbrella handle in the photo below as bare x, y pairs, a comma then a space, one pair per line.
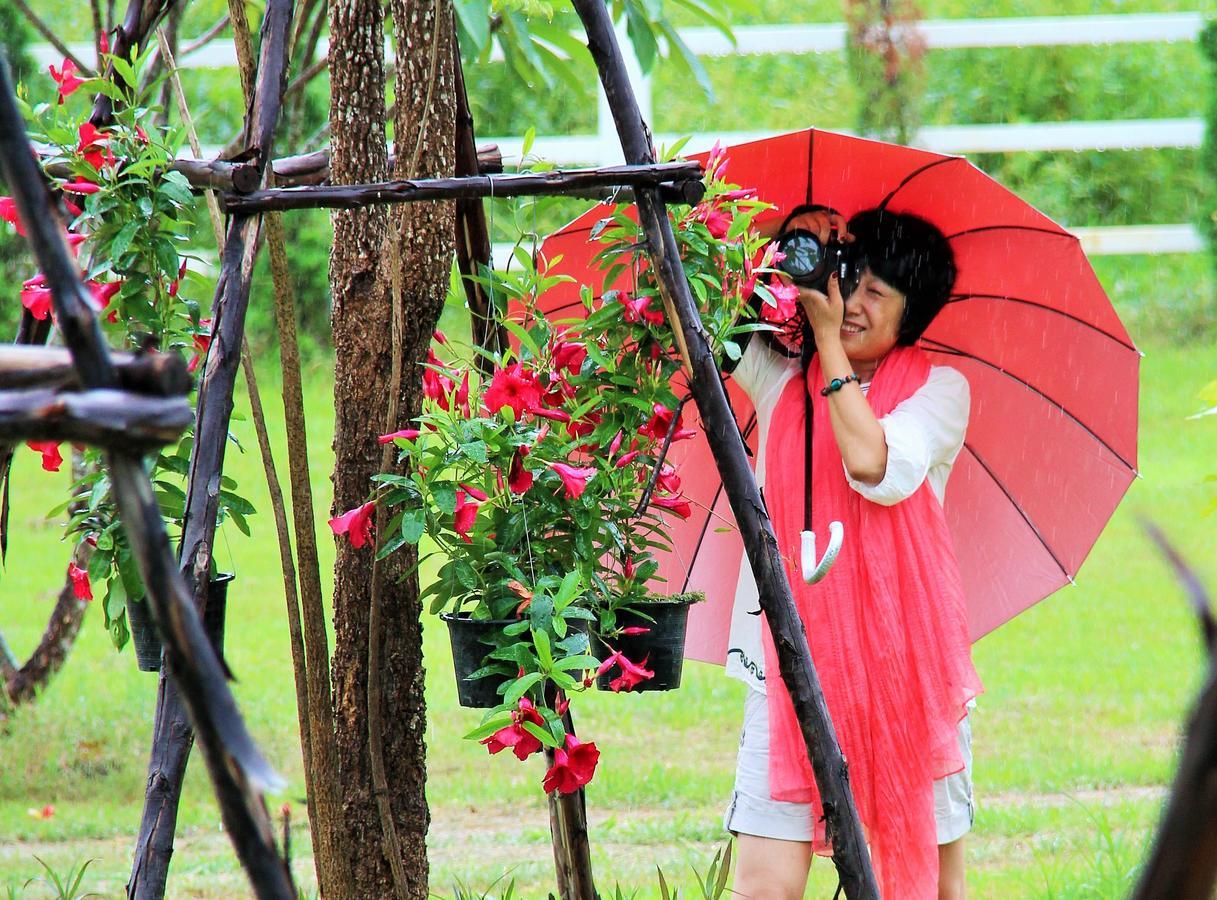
813, 569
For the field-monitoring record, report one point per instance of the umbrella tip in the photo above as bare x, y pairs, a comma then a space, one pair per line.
1137, 473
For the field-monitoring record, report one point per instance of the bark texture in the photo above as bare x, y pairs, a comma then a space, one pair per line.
375, 258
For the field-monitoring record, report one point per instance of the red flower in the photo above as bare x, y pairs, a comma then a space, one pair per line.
635, 629
625, 459
660, 422
678, 505
476, 493
574, 478
574, 765
787, 297
636, 310
738, 194
519, 479
668, 481
632, 673
462, 395
356, 524
51, 458
8, 212
176, 284
94, 146
66, 79
627, 567
716, 164
202, 343
513, 386
407, 434
717, 221
466, 513
36, 297
103, 293
569, 355
80, 186
615, 444
74, 242
80, 582
437, 384
522, 743
556, 415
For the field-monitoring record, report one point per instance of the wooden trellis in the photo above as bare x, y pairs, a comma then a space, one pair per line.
199, 689
130, 405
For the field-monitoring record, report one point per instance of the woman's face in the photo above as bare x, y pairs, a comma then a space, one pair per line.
873, 313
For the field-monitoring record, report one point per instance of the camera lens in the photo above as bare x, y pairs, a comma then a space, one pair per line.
804, 253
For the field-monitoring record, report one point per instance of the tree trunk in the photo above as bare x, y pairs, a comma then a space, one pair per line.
383, 780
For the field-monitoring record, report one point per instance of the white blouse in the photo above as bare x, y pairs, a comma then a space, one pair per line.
924, 434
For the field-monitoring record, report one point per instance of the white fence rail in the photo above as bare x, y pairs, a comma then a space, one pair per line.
602, 148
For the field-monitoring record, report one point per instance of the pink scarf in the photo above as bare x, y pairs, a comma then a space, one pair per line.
888, 635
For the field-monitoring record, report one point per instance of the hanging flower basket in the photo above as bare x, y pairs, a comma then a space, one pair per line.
147, 640
471, 640
144, 636
650, 639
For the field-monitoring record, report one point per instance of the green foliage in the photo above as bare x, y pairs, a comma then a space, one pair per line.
135, 218
64, 886
1206, 215
884, 56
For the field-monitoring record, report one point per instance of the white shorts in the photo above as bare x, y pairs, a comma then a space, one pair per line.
753, 811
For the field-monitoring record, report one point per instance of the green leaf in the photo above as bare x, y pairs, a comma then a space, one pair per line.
122, 240
545, 653
520, 687
489, 728
545, 737
413, 522
444, 496
465, 574
116, 599
583, 661
522, 336
567, 590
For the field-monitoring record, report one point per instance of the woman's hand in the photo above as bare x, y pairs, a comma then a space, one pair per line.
825, 312
822, 224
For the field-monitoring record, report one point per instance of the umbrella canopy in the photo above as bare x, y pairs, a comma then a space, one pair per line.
1051, 444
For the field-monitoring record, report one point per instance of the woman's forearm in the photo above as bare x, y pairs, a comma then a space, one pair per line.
859, 436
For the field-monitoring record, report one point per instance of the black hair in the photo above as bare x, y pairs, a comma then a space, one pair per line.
911, 255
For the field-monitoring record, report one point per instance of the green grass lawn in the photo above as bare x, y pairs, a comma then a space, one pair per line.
1075, 737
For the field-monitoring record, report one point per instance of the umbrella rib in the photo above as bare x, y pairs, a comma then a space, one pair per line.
914, 174
1026, 518
956, 298
1058, 231
948, 350
745, 432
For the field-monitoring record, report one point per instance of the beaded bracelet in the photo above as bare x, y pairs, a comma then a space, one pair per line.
837, 383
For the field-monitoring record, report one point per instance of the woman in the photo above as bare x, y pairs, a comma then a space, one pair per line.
887, 626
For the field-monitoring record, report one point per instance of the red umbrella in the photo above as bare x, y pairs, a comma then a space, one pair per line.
1051, 444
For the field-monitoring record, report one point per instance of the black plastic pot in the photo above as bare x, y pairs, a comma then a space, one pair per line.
144, 636
147, 640
662, 647
471, 641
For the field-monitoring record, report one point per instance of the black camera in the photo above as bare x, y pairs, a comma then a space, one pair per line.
809, 261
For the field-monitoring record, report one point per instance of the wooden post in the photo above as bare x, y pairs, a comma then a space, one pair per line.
172, 740
472, 236
556, 181
794, 658
238, 771
568, 832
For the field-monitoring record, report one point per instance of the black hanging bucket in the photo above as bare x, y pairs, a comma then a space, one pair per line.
662, 646
471, 640
144, 636
147, 640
